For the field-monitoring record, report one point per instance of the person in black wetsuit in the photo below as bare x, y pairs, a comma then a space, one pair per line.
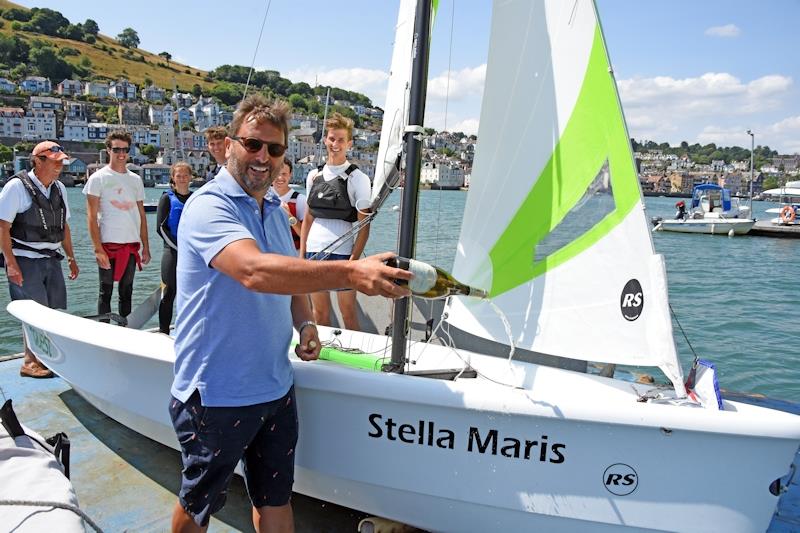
168, 216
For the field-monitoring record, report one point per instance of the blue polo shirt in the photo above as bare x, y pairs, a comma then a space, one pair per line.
231, 343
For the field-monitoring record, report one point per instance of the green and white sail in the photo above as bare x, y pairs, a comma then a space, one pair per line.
554, 225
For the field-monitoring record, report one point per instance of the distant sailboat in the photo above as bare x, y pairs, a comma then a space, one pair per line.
555, 230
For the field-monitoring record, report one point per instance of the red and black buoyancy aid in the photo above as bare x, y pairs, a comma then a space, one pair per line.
292, 203
44, 220
329, 199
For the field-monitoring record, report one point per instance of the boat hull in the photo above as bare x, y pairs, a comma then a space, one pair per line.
712, 226
552, 449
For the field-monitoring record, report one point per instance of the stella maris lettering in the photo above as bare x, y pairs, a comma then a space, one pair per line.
426, 433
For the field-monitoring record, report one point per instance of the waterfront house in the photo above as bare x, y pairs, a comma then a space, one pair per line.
44, 102
153, 94
161, 115
182, 99
156, 173
132, 113
7, 86
122, 89
76, 110
96, 89
11, 122
442, 175
39, 124
97, 131
75, 130
198, 160
36, 85
183, 116
75, 168
69, 88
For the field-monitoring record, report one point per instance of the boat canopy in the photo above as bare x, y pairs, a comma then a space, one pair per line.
711, 191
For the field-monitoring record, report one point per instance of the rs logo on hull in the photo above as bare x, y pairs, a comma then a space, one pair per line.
631, 301
620, 479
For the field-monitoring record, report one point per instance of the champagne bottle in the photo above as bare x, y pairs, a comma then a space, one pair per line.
432, 282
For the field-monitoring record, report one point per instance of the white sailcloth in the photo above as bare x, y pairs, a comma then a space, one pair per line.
395, 114
554, 224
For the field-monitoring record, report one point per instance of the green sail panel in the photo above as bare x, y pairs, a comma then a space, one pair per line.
595, 133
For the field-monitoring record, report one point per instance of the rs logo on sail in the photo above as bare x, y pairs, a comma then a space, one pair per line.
632, 300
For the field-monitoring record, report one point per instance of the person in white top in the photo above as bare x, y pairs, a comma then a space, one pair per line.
34, 224
338, 195
293, 202
117, 224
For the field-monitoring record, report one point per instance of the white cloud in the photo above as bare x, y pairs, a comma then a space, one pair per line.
724, 136
787, 129
662, 108
728, 30
371, 82
462, 83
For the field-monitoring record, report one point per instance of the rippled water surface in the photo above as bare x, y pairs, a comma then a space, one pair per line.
736, 298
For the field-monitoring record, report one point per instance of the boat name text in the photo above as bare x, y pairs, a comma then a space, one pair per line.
426, 433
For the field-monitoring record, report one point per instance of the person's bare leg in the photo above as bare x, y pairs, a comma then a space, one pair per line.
274, 519
321, 303
182, 522
349, 309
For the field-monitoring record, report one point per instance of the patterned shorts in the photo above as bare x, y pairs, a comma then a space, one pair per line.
214, 439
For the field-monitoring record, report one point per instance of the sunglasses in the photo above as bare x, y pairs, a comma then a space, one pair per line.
253, 145
55, 149
121, 149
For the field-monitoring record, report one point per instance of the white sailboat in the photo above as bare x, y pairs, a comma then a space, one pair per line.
555, 229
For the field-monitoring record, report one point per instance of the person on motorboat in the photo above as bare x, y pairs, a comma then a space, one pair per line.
242, 290
335, 192
293, 202
681, 213
168, 217
34, 224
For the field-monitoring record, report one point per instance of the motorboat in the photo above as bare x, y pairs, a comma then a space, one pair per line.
712, 210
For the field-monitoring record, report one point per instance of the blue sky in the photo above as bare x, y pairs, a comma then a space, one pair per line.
700, 71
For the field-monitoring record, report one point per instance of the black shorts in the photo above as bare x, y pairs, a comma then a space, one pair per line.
214, 439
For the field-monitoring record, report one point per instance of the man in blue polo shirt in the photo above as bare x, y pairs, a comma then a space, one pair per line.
233, 394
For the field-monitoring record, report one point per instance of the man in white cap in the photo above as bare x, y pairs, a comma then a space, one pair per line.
34, 224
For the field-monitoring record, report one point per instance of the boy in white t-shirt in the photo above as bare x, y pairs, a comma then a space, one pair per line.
338, 195
117, 224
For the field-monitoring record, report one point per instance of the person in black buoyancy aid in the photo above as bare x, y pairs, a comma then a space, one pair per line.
293, 202
34, 224
168, 216
338, 195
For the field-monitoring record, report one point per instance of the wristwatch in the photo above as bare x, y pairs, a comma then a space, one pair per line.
304, 325
292, 221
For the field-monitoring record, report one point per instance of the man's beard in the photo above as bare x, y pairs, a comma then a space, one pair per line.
239, 171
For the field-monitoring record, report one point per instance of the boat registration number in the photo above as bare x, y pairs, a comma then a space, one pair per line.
41, 345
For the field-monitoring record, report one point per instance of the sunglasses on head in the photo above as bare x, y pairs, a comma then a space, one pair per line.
55, 149
121, 149
253, 145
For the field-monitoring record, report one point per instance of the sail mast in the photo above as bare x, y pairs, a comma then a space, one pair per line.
413, 141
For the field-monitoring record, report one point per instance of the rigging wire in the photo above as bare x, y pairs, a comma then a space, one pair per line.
446, 104
255, 52
675, 316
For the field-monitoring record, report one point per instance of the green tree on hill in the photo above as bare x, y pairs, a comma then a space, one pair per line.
129, 38
91, 27
166, 55
48, 22
49, 64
